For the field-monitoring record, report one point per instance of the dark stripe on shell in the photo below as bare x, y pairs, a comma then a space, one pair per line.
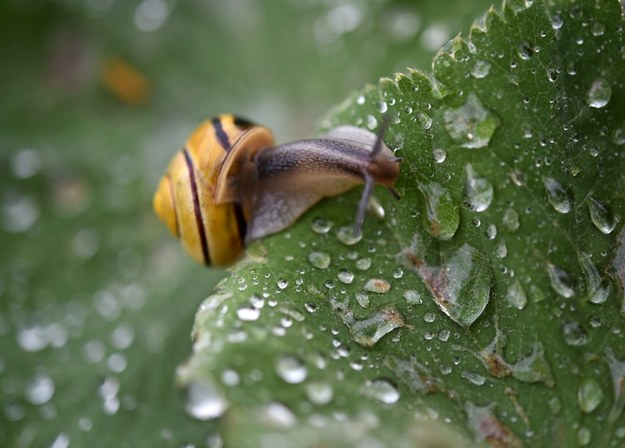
240, 219
243, 122
221, 135
196, 207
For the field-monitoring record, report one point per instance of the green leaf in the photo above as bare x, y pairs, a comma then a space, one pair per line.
489, 301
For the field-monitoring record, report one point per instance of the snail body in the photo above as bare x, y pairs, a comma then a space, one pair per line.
231, 185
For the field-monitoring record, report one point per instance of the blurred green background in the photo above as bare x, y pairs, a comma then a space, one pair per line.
96, 299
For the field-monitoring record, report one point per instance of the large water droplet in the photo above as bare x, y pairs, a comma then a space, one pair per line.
471, 125
204, 402
320, 260
479, 190
40, 389
291, 369
368, 332
480, 69
319, 393
348, 236
599, 93
601, 216
597, 288
442, 215
559, 198
382, 390
460, 286
574, 334
377, 285
589, 395
533, 368
515, 295
561, 281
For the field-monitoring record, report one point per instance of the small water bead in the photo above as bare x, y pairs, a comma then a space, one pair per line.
321, 226
372, 122
398, 273
501, 251
382, 390
377, 285
443, 335
230, 378
560, 281
291, 369
515, 295
282, 283
589, 395
117, 363
18, 213
556, 22
429, 317
204, 401
382, 106
40, 389
319, 393
480, 69
310, 307
599, 93
473, 378
248, 313
63, 440
363, 263
479, 191
360, 100
571, 68
558, 196
424, 120
346, 276
278, 415
597, 29
618, 136
491, 231
348, 236
439, 155
319, 260
362, 299
574, 334
510, 220
413, 297
601, 216
471, 125
122, 336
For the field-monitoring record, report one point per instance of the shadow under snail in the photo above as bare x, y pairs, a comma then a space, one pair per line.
231, 184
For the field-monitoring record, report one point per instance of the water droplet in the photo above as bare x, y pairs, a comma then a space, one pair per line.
439, 155
474, 378
601, 215
40, 389
511, 220
599, 93
589, 395
525, 50
345, 276
424, 120
556, 22
19, 213
515, 295
320, 260
372, 122
491, 231
488, 428
291, 369
282, 283
559, 198
362, 299
442, 214
278, 415
584, 436
471, 125
413, 297
561, 281
480, 69
574, 334
248, 313
382, 390
597, 29
377, 285
618, 136
501, 251
382, 106
460, 286
348, 236
319, 393
26, 163
479, 191
368, 332
360, 99
533, 368
204, 401
363, 263
62, 441
230, 378
597, 288
321, 226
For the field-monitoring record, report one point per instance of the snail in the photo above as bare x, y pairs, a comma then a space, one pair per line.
231, 184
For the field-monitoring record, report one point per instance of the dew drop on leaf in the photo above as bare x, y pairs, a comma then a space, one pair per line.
589, 395
559, 198
321, 226
471, 125
377, 285
599, 93
439, 155
382, 390
515, 295
40, 389
319, 393
560, 281
510, 220
204, 402
601, 216
442, 215
367, 332
574, 334
291, 369
348, 236
345, 276
597, 288
479, 191
480, 69
319, 260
